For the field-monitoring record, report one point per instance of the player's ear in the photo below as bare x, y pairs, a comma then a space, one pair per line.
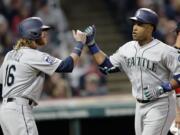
150, 28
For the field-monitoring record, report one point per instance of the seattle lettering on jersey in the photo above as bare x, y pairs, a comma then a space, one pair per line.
14, 55
141, 62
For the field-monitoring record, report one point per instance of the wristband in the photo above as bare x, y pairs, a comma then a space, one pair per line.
167, 87
78, 48
94, 48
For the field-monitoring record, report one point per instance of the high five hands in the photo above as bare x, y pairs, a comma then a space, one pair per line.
86, 37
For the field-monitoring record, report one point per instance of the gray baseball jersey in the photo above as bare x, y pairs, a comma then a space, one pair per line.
147, 66
23, 72
22, 75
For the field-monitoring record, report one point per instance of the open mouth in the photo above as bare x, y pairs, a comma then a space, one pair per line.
134, 33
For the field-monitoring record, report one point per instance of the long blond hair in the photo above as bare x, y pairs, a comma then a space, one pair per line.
22, 43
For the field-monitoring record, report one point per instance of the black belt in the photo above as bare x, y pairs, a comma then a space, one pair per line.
12, 99
143, 101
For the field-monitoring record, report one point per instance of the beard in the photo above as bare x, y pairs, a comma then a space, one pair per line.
40, 42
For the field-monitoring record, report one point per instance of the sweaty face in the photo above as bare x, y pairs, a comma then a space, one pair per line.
43, 40
141, 31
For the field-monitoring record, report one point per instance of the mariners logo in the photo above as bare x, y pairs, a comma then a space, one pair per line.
49, 59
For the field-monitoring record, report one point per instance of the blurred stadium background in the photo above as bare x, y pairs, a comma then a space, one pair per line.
85, 102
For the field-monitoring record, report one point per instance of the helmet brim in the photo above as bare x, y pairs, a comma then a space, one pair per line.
137, 19
45, 27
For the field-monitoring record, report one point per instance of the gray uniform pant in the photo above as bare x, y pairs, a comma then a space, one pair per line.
16, 118
156, 117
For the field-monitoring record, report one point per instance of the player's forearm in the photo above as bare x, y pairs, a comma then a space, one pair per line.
75, 58
99, 57
80, 37
68, 64
76, 53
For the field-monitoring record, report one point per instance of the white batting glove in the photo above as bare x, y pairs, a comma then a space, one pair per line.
152, 94
155, 93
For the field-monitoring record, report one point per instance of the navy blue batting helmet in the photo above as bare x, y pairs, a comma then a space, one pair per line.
145, 15
31, 28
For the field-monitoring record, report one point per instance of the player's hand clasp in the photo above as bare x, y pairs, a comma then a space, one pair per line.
90, 31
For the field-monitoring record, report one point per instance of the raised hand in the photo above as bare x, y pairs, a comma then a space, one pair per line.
90, 34
79, 36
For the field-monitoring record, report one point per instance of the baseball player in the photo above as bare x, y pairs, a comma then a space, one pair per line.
175, 127
149, 65
23, 72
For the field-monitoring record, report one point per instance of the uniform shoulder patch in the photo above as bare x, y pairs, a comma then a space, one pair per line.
49, 59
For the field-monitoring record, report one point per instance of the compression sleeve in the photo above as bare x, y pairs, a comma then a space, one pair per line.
66, 65
107, 67
106, 63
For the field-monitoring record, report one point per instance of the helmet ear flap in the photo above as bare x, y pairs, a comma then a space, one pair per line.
35, 34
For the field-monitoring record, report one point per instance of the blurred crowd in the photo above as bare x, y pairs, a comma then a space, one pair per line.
168, 11
86, 80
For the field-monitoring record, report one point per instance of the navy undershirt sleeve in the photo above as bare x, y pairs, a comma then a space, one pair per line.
66, 65
107, 67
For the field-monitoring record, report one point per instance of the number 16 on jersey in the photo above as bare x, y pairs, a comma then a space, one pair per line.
9, 77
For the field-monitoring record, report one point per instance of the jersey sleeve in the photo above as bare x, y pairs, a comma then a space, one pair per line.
44, 62
172, 61
116, 59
